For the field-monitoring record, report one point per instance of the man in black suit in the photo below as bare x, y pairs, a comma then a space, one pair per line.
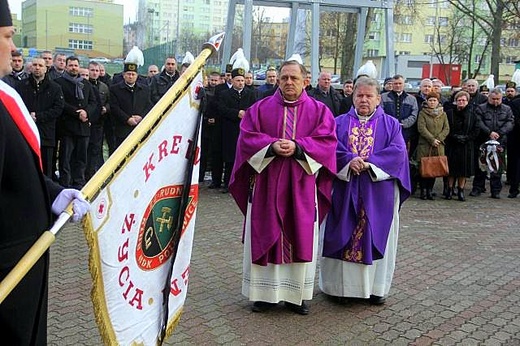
129, 103
44, 100
74, 124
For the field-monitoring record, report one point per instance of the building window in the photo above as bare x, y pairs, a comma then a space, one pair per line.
428, 38
403, 20
372, 52
430, 21
80, 28
404, 52
406, 37
405, 2
512, 42
443, 21
481, 41
80, 44
373, 36
511, 59
415, 64
477, 59
81, 11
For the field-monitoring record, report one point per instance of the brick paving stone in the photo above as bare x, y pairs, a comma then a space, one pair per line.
456, 282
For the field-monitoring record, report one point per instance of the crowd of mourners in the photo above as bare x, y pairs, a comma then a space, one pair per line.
79, 110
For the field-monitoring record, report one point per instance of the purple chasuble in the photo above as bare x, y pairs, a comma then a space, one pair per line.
283, 202
359, 221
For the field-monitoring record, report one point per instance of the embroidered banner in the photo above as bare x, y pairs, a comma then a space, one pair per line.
131, 225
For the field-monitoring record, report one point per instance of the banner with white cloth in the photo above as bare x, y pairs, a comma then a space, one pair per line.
131, 226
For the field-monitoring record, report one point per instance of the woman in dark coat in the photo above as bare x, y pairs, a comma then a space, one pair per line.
460, 144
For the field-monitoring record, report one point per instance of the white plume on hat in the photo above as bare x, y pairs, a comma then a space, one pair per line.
135, 56
490, 81
368, 69
188, 59
516, 77
296, 57
239, 60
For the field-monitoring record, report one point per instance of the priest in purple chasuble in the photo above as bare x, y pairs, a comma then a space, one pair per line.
282, 182
360, 233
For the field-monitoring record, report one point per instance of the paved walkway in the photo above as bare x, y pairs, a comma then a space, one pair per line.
457, 282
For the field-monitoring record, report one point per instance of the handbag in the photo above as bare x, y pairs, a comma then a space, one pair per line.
434, 166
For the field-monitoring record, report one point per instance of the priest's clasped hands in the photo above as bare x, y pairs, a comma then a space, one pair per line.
284, 147
358, 165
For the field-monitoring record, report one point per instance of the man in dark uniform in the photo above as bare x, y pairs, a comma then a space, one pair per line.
26, 197
208, 125
512, 99
74, 125
217, 163
44, 100
129, 103
232, 107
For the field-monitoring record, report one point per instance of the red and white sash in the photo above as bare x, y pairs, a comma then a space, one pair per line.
20, 115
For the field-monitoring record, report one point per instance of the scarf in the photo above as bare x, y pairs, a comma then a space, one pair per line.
77, 81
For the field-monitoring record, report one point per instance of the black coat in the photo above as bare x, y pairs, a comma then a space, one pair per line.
70, 124
333, 99
160, 83
346, 104
497, 119
46, 100
25, 213
460, 143
229, 104
124, 103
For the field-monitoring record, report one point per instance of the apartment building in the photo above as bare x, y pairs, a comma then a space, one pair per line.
89, 28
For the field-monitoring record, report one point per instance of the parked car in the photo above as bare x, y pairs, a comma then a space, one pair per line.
260, 75
101, 59
335, 78
118, 61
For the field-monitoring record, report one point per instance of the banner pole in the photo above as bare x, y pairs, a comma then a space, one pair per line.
113, 165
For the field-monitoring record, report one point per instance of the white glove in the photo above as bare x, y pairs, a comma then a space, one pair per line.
80, 206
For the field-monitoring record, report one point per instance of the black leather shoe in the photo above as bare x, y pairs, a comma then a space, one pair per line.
376, 300
302, 309
460, 194
262, 306
213, 186
495, 195
449, 193
512, 195
474, 193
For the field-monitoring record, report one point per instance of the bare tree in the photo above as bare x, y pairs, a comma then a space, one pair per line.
490, 16
454, 43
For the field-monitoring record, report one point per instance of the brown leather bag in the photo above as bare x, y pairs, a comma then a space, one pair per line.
434, 166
